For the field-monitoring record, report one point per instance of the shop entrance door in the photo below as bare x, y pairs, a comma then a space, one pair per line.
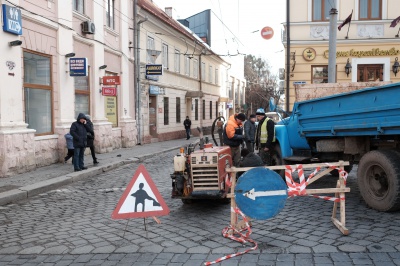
368, 73
153, 116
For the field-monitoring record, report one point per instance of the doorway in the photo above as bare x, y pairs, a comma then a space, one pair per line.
188, 107
369, 73
153, 116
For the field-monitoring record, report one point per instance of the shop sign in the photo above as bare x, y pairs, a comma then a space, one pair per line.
229, 105
154, 70
111, 80
78, 67
12, 21
155, 90
110, 103
109, 91
372, 52
299, 82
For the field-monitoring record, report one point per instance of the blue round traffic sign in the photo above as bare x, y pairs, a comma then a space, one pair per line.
260, 193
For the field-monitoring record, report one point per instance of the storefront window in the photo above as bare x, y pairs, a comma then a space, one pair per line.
38, 93
82, 95
319, 74
111, 105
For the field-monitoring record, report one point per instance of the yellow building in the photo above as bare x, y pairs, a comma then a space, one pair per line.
370, 45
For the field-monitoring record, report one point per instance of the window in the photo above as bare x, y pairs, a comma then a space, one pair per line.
78, 5
216, 76
321, 9
150, 46
110, 14
178, 110
216, 109
210, 109
165, 55
203, 71
82, 95
166, 111
370, 9
38, 92
204, 109
177, 61
210, 71
195, 68
319, 74
196, 109
187, 65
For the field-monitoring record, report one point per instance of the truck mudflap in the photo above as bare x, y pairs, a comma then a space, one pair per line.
208, 194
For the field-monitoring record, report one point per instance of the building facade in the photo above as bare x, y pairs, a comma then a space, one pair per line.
39, 99
191, 80
370, 46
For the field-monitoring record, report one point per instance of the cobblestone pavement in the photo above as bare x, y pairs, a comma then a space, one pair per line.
72, 226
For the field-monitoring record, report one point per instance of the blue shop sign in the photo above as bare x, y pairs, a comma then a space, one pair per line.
12, 21
78, 67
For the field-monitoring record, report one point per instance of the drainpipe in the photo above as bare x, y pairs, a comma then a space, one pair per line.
201, 101
287, 54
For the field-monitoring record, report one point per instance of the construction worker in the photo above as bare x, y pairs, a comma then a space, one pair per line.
233, 135
265, 136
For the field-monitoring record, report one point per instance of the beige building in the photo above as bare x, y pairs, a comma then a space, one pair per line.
370, 46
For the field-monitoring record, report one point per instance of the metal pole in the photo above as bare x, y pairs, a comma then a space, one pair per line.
332, 44
287, 54
135, 69
201, 98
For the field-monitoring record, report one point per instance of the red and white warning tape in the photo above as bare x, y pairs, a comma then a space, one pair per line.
299, 189
241, 238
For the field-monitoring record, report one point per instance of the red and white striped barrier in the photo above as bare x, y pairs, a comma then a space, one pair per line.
299, 189
241, 238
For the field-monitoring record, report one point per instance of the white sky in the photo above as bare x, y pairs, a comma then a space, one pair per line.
243, 17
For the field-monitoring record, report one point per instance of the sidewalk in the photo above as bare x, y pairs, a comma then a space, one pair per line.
22, 186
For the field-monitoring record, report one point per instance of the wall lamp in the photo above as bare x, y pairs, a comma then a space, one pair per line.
15, 43
348, 67
70, 55
396, 66
103, 67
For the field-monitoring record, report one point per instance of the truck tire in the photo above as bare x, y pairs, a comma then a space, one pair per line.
278, 160
347, 168
378, 179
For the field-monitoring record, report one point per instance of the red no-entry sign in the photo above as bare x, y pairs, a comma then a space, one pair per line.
267, 33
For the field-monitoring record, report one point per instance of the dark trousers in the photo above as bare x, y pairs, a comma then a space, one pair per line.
69, 155
93, 153
79, 155
250, 146
187, 133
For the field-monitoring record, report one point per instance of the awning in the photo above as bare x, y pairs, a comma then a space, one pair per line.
223, 99
194, 94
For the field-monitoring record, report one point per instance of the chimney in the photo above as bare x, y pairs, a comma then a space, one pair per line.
168, 11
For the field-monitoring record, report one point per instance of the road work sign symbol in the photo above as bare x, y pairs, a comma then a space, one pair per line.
260, 193
141, 198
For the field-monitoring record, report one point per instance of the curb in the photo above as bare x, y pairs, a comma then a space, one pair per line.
56, 182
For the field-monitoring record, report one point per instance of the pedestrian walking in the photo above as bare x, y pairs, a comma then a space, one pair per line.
250, 132
79, 130
70, 147
187, 123
90, 139
265, 136
233, 135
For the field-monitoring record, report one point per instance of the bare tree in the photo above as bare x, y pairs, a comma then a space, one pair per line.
261, 83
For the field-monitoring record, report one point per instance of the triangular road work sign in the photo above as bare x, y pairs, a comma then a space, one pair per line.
141, 198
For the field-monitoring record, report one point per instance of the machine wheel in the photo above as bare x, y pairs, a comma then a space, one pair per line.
347, 168
278, 160
187, 201
378, 178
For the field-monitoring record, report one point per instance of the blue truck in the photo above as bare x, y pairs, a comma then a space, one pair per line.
362, 127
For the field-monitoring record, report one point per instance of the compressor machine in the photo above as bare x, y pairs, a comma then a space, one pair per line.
201, 174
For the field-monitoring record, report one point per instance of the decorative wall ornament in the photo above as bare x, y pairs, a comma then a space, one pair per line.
370, 31
10, 65
318, 32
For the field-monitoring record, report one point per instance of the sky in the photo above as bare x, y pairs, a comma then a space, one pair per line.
245, 18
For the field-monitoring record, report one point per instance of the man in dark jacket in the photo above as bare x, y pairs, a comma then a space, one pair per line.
90, 139
187, 123
265, 136
79, 130
250, 132
249, 159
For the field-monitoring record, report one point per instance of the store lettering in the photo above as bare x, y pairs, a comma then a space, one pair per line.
372, 52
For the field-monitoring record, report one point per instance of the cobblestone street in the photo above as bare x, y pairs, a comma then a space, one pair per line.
72, 226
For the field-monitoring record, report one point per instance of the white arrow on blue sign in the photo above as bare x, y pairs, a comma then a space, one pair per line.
260, 193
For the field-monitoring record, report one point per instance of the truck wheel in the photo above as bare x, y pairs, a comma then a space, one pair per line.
187, 201
278, 160
378, 178
347, 168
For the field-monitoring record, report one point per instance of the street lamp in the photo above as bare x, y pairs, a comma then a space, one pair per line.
348, 67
